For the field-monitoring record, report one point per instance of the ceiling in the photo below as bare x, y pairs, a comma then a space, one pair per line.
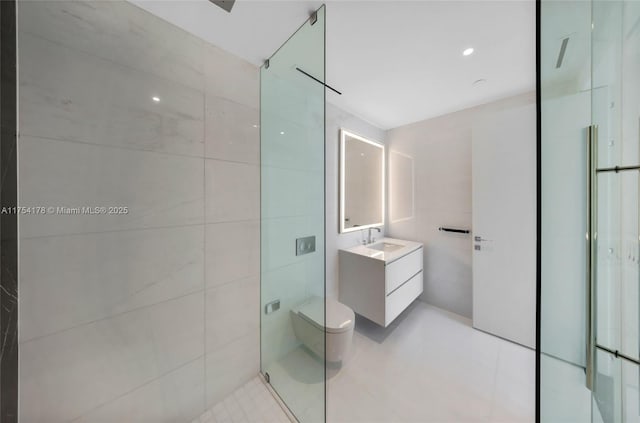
395, 62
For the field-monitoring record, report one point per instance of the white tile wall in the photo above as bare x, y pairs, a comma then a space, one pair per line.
101, 102
233, 310
231, 366
232, 191
150, 316
281, 203
159, 189
104, 29
232, 131
66, 375
170, 398
233, 251
230, 77
67, 281
441, 151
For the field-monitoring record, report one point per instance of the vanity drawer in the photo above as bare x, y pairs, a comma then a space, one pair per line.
399, 271
400, 299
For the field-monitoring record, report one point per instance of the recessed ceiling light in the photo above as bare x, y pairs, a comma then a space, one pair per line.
468, 51
155, 98
281, 132
255, 126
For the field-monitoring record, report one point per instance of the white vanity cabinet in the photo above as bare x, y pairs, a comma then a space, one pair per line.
379, 281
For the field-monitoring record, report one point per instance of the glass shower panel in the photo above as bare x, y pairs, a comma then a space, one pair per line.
293, 220
610, 82
615, 113
565, 46
617, 265
605, 111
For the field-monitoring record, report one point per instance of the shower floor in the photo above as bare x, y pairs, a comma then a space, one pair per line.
252, 403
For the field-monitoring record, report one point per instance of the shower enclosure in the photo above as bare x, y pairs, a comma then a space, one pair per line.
292, 134
165, 186
590, 257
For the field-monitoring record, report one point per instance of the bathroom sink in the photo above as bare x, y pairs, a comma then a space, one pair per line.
384, 249
387, 247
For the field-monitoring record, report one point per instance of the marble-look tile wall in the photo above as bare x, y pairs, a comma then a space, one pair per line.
440, 149
149, 316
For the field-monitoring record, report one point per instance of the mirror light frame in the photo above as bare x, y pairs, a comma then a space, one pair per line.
343, 134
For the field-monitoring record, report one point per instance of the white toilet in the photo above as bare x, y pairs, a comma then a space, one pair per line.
308, 325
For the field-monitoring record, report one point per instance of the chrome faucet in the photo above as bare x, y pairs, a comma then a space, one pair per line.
370, 239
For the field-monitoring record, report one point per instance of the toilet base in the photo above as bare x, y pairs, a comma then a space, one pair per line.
338, 344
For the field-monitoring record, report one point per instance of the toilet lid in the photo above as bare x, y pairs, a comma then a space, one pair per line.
340, 318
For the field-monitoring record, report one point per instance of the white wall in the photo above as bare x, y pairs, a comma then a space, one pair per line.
152, 315
441, 153
337, 118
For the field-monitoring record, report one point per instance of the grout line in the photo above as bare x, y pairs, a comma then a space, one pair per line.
92, 54
138, 229
113, 316
141, 150
285, 266
232, 281
24, 135
215, 159
504, 339
204, 262
113, 231
136, 388
277, 219
231, 341
202, 74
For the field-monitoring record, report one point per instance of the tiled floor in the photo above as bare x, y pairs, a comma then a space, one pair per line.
429, 366
252, 403
432, 366
565, 397
298, 378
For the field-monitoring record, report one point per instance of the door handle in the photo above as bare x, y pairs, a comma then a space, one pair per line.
592, 219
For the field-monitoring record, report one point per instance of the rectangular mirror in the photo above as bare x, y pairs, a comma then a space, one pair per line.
361, 182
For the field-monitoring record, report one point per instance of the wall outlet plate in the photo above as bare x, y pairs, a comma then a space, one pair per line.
305, 245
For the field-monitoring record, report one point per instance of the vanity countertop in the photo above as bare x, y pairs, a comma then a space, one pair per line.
405, 247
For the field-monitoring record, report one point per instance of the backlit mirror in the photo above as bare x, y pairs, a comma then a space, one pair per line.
361, 182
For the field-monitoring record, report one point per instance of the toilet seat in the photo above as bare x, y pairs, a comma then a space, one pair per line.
339, 319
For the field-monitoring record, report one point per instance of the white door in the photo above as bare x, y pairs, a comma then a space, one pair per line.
504, 224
